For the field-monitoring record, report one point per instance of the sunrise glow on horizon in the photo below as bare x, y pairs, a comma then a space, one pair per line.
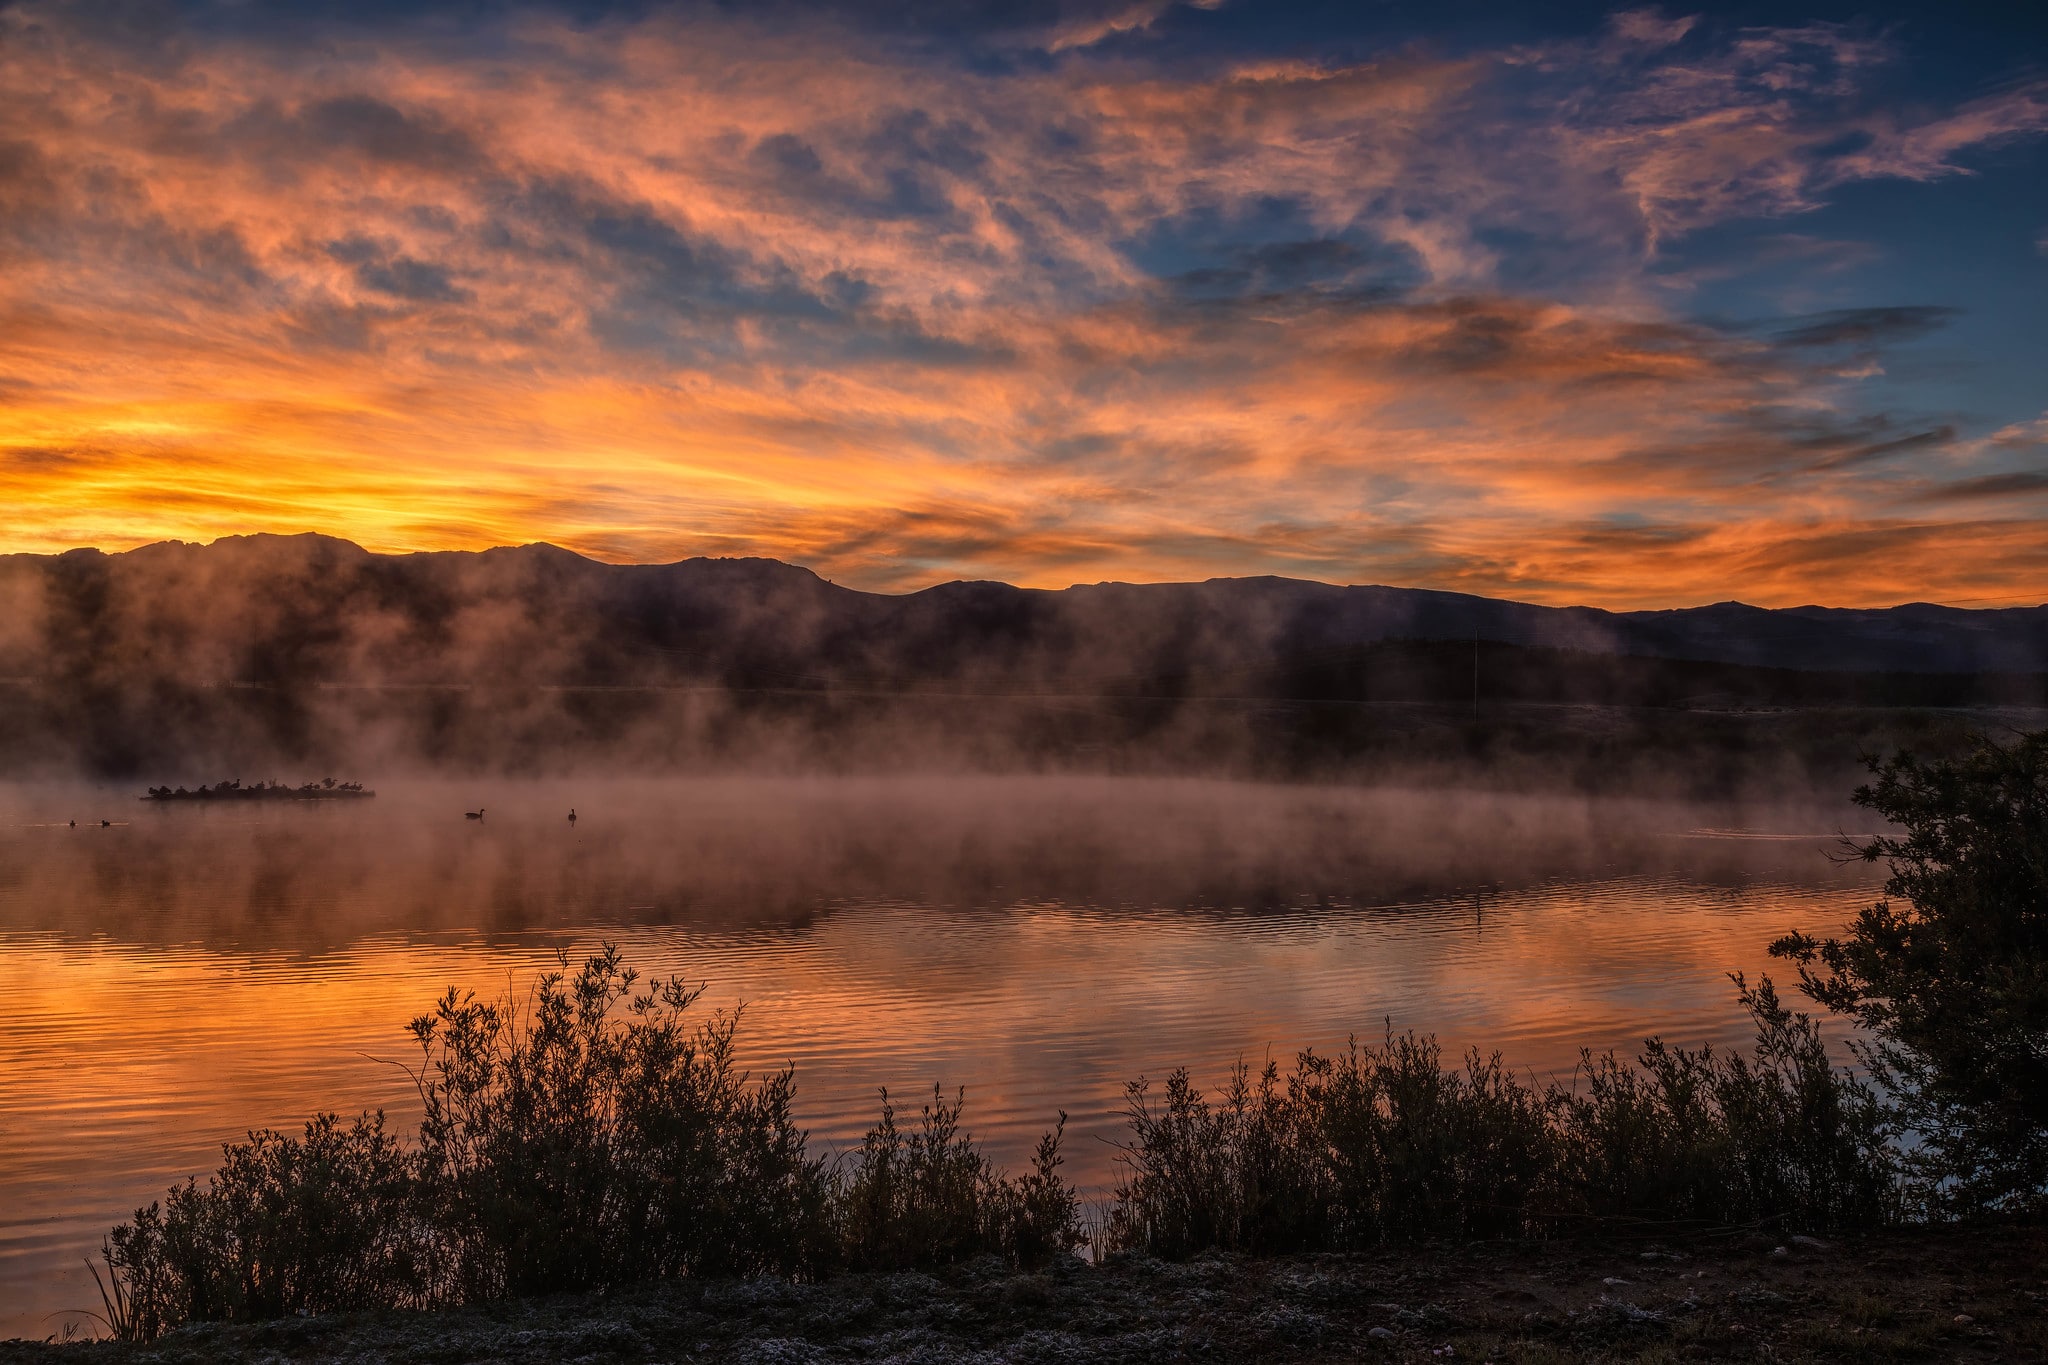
1644, 309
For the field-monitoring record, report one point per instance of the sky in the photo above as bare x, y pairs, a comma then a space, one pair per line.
1567, 303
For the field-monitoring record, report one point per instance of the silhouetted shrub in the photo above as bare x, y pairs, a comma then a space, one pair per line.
1780, 1136
1242, 1173
324, 1223
562, 1149
1044, 1211
930, 1198
596, 1137
1949, 974
590, 1137
1382, 1144
1419, 1151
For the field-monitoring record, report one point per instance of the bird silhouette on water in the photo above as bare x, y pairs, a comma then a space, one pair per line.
476, 814
572, 815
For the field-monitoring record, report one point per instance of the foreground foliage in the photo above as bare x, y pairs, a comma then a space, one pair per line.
591, 1137
1949, 974
1383, 1144
560, 1152
596, 1136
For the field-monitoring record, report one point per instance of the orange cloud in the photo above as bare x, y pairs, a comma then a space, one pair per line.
663, 288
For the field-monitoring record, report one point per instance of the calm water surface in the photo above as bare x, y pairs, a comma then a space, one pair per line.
192, 972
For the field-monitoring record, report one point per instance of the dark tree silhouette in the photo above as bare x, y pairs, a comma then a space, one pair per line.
1949, 973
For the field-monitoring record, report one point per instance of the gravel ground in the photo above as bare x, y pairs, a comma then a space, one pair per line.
1977, 1294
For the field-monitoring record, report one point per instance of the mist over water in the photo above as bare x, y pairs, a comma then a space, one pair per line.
191, 971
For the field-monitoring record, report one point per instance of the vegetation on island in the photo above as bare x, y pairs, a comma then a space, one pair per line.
231, 789
600, 1135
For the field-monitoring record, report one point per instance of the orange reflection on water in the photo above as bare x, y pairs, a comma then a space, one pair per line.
175, 982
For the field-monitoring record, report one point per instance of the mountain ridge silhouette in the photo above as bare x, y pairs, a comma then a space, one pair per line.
277, 608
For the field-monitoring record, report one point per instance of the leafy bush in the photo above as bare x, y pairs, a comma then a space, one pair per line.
930, 1197
590, 1137
318, 1224
1200, 1175
1383, 1144
1044, 1212
1949, 973
598, 1137
1419, 1151
1780, 1136
562, 1150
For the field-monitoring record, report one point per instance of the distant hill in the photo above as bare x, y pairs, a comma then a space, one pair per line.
277, 609
127, 658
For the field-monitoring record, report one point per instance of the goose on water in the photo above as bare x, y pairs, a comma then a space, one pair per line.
476, 814
572, 815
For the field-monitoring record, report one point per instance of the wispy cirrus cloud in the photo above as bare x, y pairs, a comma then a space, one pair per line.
684, 285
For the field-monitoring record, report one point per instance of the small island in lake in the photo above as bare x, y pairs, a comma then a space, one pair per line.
233, 790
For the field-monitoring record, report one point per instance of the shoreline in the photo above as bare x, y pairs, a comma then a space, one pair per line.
1953, 1292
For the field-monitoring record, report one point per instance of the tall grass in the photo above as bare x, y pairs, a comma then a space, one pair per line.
600, 1133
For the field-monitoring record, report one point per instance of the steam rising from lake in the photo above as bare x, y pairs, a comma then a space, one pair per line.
191, 971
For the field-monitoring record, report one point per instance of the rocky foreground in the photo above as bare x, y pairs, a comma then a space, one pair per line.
1948, 1295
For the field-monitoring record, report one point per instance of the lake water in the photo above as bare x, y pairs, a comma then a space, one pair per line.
190, 972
